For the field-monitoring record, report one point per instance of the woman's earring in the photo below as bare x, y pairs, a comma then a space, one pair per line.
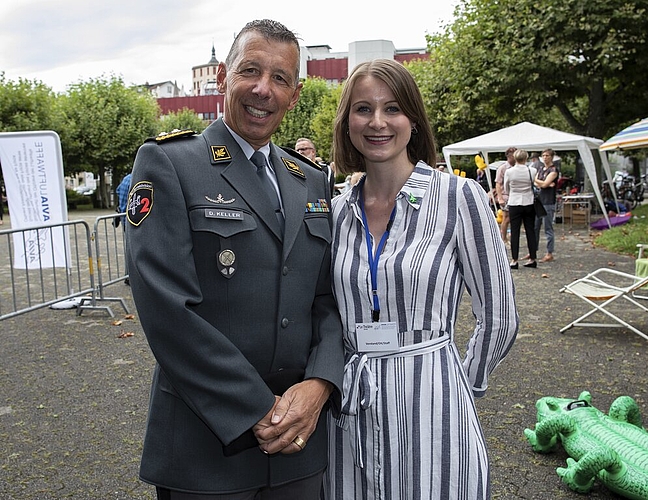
414, 130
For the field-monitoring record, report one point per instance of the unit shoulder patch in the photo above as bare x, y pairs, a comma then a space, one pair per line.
140, 202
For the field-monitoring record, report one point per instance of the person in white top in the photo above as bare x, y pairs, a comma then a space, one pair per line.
518, 181
502, 194
405, 245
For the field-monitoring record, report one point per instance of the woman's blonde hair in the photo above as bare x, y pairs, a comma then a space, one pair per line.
520, 155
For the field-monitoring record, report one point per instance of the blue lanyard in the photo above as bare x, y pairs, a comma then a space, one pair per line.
373, 259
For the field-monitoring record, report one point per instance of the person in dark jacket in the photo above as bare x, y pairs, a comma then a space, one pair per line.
229, 258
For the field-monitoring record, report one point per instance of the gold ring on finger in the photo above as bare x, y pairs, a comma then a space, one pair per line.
299, 442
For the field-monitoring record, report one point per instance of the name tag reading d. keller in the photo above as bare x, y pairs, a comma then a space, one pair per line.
211, 213
377, 336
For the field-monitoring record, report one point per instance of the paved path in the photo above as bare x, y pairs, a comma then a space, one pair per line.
606, 362
74, 389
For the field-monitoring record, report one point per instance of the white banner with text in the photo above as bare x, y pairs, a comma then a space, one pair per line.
32, 168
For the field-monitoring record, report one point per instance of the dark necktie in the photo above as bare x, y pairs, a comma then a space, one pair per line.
259, 160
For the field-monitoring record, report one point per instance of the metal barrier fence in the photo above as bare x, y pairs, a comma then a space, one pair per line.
28, 283
110, 262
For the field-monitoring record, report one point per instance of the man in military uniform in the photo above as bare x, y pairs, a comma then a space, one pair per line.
229, 266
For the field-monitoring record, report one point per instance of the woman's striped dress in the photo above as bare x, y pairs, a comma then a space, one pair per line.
409, 429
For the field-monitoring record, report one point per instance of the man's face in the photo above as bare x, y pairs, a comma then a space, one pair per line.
259, 87
305, 148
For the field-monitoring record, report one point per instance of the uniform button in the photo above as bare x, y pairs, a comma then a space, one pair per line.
284, 322
284, 271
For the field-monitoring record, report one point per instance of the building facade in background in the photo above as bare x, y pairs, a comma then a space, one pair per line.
165, 90
316, 61
203, 77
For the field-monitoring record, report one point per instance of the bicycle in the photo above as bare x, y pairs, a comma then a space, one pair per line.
628, 191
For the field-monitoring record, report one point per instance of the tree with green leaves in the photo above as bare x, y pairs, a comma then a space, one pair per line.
579, 63
322, 122
26, 105
105, 123
298, 122
182, 120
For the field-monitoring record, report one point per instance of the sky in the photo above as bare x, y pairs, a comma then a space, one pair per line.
60, 42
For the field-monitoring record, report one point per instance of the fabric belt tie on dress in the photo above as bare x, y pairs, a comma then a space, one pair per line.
360, 388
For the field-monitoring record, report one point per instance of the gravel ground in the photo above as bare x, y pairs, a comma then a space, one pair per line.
607, 362
74, 389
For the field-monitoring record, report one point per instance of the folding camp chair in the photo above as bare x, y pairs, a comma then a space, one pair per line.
641, 270
603, 287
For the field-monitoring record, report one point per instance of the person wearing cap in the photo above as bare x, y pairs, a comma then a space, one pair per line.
534, 160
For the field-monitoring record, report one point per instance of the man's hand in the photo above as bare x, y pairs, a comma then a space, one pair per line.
265, 422
295, 415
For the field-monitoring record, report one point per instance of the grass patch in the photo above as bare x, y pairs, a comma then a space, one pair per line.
623, 239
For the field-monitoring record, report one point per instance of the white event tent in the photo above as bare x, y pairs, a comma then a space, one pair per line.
532, 137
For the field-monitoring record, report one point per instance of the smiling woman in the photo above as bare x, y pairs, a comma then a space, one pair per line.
404, 239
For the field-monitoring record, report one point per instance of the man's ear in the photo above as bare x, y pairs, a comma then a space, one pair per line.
295, 96
221, 77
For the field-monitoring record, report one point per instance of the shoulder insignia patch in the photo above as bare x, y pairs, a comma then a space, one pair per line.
293, 168
220, 153
174, 134
140, 202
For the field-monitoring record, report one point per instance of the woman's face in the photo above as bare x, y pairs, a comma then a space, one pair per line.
378, 128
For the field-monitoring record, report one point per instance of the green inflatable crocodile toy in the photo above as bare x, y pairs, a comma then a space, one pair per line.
612, 448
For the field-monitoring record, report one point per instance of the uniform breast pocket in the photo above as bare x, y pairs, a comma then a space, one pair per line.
318, 227
222, 222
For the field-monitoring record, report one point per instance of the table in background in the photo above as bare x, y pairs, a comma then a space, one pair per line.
576, 209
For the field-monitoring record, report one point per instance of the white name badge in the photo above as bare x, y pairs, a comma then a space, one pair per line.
377, 336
